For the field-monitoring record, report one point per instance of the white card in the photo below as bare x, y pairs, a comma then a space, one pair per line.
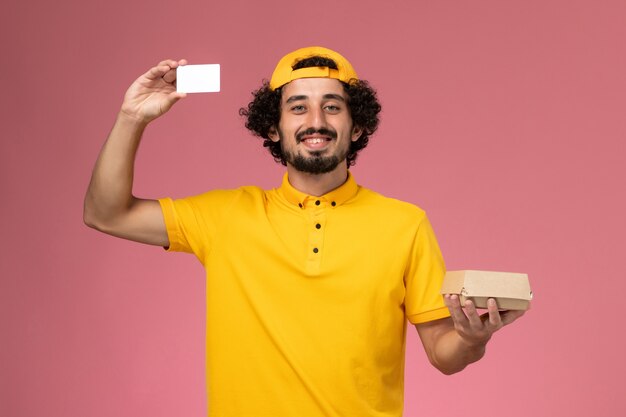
198, 78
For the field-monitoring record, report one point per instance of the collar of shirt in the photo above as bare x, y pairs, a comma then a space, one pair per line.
334, 198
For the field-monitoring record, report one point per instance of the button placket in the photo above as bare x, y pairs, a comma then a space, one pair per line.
316, 232
317, 220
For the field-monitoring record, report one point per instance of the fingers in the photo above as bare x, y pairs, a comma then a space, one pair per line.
468, 324
467, 315
477, 329
170, 76
472, 315
454, 305
166, 70
494, 315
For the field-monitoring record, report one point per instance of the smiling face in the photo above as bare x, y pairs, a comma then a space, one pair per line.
315, 128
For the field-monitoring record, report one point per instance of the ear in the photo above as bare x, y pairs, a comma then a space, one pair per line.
273, 134
356, 133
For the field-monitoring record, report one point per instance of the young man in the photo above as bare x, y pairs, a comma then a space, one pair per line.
310, 285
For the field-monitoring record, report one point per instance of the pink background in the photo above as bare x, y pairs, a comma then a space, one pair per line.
503, 119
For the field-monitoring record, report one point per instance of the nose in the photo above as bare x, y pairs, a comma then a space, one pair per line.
316, 118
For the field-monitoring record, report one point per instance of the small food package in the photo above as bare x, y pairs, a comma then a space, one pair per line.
510, 290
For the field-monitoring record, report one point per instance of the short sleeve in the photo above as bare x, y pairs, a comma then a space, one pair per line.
424, 276
192, 222
182, 225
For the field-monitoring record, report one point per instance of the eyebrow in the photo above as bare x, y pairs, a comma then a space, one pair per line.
296, 98
334, 97
329, 96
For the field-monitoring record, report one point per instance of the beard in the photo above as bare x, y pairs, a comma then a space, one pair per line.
316, 162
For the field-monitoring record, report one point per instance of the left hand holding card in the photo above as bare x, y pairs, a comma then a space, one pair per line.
198, 78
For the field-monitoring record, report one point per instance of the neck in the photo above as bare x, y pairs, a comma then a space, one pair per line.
317, 184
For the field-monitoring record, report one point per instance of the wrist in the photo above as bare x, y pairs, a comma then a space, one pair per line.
131, 121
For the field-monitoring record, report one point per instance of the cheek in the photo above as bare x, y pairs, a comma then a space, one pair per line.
283, 126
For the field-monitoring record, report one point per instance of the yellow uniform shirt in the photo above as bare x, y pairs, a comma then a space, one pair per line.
308, 297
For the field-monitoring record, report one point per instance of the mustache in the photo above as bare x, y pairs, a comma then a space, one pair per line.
311, 131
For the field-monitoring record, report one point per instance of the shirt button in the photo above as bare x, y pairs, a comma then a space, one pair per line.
333, 204
315, 250
300, 205
318, 226
317, 202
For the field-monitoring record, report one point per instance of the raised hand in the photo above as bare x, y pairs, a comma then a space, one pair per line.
153, 93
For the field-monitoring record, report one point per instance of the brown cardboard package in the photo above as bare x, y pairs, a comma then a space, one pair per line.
511, 290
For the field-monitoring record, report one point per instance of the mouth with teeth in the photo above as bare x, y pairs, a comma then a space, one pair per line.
315, 138
313, 141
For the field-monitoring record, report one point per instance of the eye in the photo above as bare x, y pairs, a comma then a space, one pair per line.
331, 108
298, 108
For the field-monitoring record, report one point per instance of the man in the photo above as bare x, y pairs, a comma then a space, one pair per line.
310, 285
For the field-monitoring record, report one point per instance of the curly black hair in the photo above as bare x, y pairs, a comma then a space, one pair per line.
263, 112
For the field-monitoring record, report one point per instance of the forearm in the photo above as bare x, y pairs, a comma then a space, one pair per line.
110, 189
452, 354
